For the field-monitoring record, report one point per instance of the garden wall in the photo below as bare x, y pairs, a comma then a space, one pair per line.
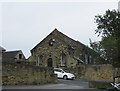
104, 72
25, 74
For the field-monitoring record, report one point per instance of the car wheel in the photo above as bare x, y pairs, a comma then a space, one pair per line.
73, 78
65, 77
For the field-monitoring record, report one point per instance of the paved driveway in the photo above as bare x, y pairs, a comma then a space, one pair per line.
62, 84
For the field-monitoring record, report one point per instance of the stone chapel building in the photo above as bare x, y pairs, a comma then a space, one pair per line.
58, 50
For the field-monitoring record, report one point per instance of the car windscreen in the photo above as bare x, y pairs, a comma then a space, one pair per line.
58, 70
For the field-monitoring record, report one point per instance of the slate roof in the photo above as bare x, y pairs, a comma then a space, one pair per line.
10, 55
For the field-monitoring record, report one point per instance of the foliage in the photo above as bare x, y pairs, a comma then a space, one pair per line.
108, 24
108, 27
99, 84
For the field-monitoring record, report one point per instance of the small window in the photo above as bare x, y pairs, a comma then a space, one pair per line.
20, 56
41, 59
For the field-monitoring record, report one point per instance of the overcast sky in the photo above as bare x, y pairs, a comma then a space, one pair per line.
25, 24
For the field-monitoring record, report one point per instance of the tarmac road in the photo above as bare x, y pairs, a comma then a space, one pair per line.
61, 85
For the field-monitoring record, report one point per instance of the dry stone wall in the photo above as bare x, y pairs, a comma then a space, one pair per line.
24, 74
104, 72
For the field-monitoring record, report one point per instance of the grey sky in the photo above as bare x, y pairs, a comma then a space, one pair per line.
25, 24
119, 5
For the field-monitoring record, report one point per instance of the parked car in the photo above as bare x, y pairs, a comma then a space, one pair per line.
62, 74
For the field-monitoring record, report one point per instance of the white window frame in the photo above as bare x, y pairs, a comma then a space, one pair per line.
39, 61
62, 60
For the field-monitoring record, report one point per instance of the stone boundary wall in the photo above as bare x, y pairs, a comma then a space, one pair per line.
104, 72
99, 72
25, 74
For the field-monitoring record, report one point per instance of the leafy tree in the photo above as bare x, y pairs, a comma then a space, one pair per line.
97, 47
108, 27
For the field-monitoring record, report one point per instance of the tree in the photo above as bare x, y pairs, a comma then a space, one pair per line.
108, 27
97, 47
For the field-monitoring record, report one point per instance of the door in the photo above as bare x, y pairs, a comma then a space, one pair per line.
49, 62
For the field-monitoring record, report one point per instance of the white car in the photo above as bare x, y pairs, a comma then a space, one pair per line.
62, 74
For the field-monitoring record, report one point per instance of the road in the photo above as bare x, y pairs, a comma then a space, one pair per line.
62, 84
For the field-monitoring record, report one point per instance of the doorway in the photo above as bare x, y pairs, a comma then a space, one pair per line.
49, 62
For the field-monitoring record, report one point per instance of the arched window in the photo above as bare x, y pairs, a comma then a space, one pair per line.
63, 59
39, 60
50, 62
87, 58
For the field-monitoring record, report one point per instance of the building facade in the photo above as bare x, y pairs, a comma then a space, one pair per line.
13, 56
58, 50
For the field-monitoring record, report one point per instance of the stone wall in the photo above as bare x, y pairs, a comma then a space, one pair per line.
104, 72
101, 76
25, 74
99, 72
